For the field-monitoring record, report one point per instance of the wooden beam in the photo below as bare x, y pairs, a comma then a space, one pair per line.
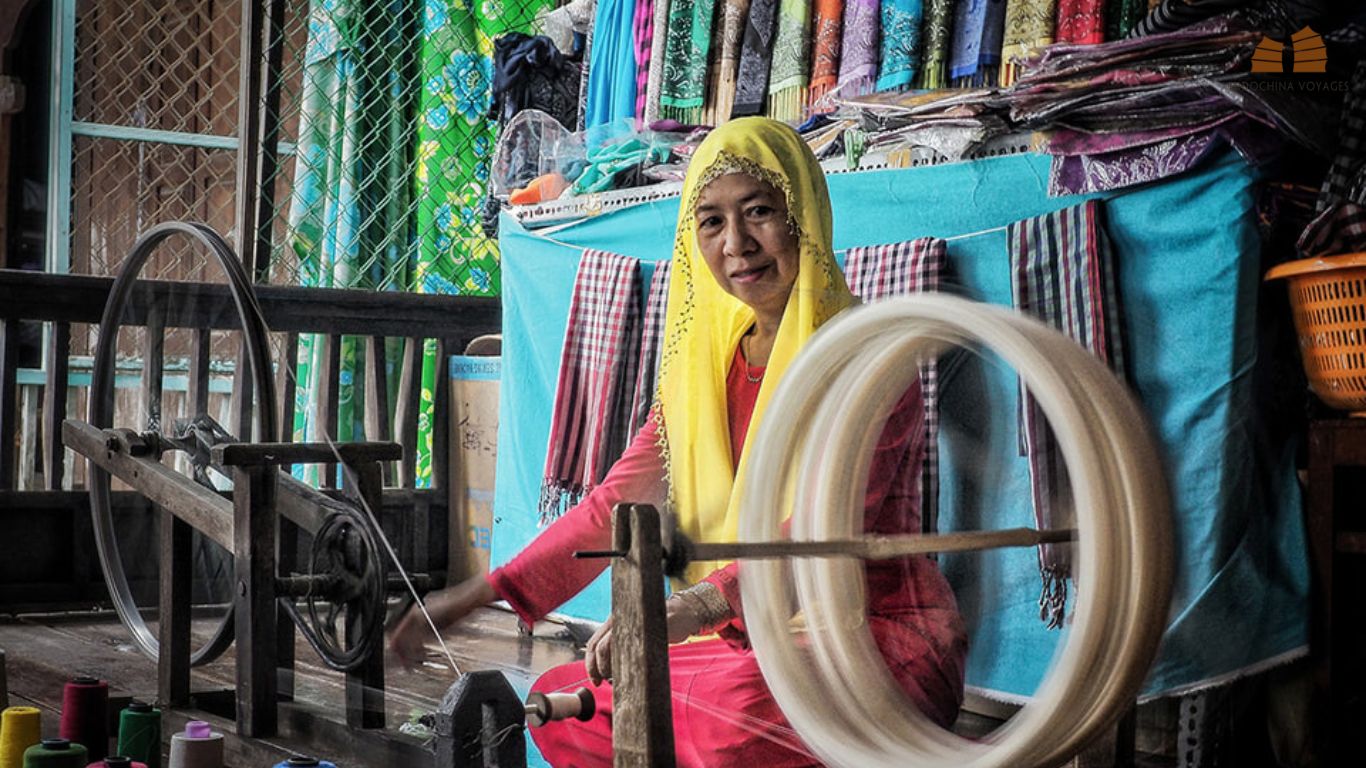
365, 685
642, 720
264, 454
173, 616
34, 296
9, 401
254, 600
329, 401
54, 407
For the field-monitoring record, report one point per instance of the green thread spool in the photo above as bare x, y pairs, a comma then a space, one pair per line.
20, 728
140, 733
56, 753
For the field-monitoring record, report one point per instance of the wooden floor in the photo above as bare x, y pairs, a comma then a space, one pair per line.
44, 651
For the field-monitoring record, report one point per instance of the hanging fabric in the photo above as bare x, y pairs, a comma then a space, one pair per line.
1346, 179
348, 210
937, 39
1062, 272
531, 73
685, 60
826, 36
1081, 22
729, 39
913, 266
591, 419
1171, 15
1029, 24
901, 52
756, 57
859, 47
612, 74
1122, 16
642, 39
659, 33
976, 55
790, 72
651, 336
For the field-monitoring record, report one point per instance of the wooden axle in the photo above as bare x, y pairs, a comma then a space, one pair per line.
868, 548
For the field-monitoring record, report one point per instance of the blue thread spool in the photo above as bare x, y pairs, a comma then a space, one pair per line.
300, 761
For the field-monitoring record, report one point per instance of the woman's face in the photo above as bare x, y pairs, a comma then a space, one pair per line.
746, 240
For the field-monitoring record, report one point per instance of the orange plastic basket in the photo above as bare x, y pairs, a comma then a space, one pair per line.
1328, 301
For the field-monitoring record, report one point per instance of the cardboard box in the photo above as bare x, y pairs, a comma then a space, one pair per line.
473, 454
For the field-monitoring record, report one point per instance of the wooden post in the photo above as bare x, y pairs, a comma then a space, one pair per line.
365, 684
377, 396
479, 722
642, 724
9, 401
329, 402
173, 618
254, 546
54, 407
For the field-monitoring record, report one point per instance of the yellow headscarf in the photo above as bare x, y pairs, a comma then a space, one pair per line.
704, 324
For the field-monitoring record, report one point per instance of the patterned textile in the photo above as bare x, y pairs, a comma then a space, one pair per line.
590, 424
826, 37
882, 271
454, 148
1081, 21
1346, 179
900, 43
729, 37
651, 336
685, 60
859, 47
1340, 228
790, 70
756, 53
1121, 16
587, 65
531, 73
1029, 25
655, 85
977, 29
642, 35
936, 34
1171, 15
1062, 272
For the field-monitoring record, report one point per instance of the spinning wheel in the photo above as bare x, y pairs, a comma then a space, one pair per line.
101, 412
831, 681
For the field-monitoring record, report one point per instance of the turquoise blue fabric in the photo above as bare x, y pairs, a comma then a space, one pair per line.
1187, 255
612, 64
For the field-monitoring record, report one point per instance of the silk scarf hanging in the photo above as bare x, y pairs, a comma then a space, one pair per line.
455, 141
900, 44
1122, 16
659, 34
1081, 21
825, 42
651, 335
859, 47
642, 38
685, 60
1029, 24
1061, 272
728, 41
977, 29
791, 66
591, 418
756, 57
882, 271
612, 75
937, 41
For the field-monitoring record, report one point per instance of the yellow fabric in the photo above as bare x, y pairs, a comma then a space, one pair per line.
704, 324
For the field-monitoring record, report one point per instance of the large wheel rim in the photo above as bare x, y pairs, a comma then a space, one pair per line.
100, 414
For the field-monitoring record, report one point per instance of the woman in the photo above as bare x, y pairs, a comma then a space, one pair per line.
754, 276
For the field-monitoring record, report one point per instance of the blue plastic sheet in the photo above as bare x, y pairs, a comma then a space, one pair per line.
1188, 259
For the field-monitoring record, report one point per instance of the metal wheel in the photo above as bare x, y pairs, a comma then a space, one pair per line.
101, 412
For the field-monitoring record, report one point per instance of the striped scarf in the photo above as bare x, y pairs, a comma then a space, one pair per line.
1346, 180
643, 34
1061, 272
651, 336
881, 271
590, 424
1171, 15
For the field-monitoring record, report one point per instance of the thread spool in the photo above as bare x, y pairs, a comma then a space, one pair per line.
300, 761
56, 753
4, 683
20, 728
117, 761
85, 715
197, 747
542, 708
140, 733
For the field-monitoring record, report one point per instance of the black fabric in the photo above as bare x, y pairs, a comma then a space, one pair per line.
531, 73
756, 54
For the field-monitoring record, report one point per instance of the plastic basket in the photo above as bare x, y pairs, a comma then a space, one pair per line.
1328, 301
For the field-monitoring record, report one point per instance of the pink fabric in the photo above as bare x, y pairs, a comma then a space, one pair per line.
723, 713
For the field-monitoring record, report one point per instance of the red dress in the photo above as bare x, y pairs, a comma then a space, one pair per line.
723, 713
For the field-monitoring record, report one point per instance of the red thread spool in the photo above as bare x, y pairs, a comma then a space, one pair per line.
85, 715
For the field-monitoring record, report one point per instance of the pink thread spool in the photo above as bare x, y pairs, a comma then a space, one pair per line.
197, 747
117, 761
542, 708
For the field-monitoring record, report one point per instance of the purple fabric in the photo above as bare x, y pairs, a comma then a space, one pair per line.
643, 32
859, 47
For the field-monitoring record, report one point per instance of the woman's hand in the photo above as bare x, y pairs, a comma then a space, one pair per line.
446, 607
682, 624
